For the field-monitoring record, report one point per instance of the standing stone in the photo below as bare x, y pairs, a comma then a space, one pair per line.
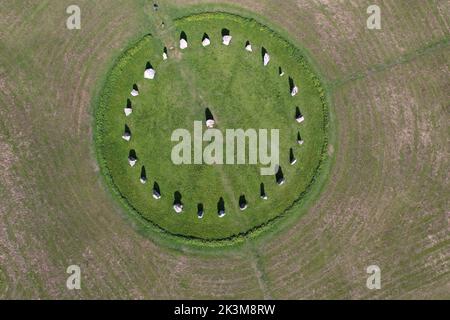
227, 40
149, 73
178, 207
127, 111
266, 59
132, 161
183, 44
206, 42
126, 136
156, 194
299, 139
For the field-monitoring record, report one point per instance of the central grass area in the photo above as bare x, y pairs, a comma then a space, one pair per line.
241, 93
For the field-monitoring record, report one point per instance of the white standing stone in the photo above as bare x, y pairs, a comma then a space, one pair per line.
266, 59
134, 93
149, 73
164, 56
206, 42
126, 136
127, 111
294, 91
227, 40
249, 48
143, 180
156, 195
221, 213
300, 119
183, 44
132, 161
210, 123
178, 208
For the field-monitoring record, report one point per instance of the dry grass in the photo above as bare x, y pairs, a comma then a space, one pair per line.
386, 202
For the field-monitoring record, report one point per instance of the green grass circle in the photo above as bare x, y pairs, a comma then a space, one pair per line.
241, 93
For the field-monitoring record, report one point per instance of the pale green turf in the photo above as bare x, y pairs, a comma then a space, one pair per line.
241, 93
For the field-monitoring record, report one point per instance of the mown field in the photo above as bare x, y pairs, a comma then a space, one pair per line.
385, 203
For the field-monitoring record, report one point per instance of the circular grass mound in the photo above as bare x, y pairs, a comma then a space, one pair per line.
226, 83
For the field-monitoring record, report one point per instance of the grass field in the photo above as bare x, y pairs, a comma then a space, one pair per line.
242, 94
385, 202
